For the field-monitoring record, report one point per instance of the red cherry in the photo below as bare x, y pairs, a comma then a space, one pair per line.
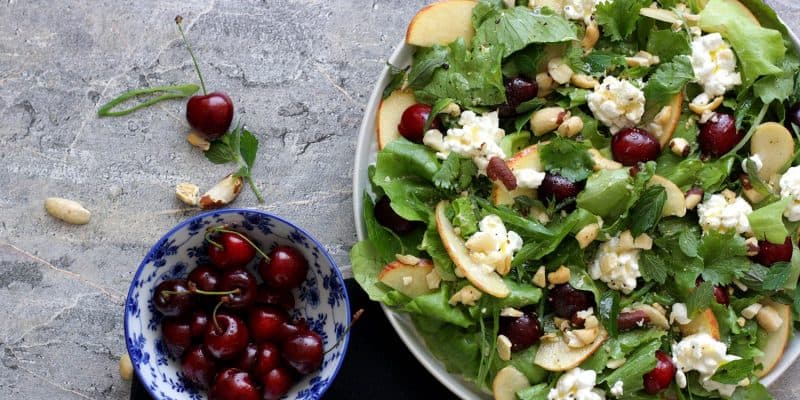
268, 357
567, 301
227, 340
205, 277
244, 281
719, 135
266, 323
210, 114
412, 123
769, 253
556, 187
387, 217
234, 384
661, 376
721, 295
177, 335
246, 360
198, 323
631, 146
304, 351
286, 269
234, 252
276, 383
518, 90
269, 296
198, 367
173, 298
524, 331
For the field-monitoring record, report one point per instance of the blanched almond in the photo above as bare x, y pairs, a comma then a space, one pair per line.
559, 276
198, 141
188, 193
224, 192
69, 211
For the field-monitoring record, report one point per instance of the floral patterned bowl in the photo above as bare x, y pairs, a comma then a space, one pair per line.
322, 299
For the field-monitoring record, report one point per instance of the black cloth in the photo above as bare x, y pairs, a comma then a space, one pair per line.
377, 365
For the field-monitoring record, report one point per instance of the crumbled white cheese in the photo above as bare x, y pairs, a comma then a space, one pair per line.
528, 178
718, 214
754, 158
714, 64
790, 187
579, 10
576, 384
493, 246
704, 354
679, 314
617, 267
478, 138
617, 103
617, 390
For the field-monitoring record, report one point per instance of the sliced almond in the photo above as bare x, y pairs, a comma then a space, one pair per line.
223, 193
198, 141
188, 193
504, 347
511, 312
407, 259
467, 296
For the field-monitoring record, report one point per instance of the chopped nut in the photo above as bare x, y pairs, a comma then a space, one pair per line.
69, 211
562, 323
548, 119
614, 364
701, 106
741, 322
625, 241
642, 59
584, 81
224, 192
693, 197
188, 193
769, 319
659, 308
680, 147
591, 37
498, 170
751, 311
539, 278
467, 296
729, 195
545, 84
591, 322
510, 312
752, 246
559, 70
571, 127
198, 141
587, 336
549, 337
453, 109
433, 279
559, 276
504, 347
643, 242
407, 259
739, 283
125, 367
587, 235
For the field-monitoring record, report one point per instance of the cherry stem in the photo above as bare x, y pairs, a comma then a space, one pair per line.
225, 293
224, 228
353, 321
214, 316
178, 21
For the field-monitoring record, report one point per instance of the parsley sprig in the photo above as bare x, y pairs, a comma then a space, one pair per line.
238, 146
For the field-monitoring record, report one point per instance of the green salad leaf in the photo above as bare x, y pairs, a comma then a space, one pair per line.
619, 17
734, 371
566, 157
767, 222
515, 28
668, 80
456, 173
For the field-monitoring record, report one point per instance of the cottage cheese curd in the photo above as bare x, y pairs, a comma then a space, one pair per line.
493, 246
618, 268
579, 10
790, 187
714, 64
718, 214
617, 103
478, 138
576, 384
528, 178
618, 390
704, 354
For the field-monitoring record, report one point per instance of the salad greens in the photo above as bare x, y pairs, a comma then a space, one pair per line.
610, 268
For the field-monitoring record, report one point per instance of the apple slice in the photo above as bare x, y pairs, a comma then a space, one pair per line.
508, 382
704, 322
407, 279
676, 201
773, 143
390, 111
486, 281
776, 341
666, 121
442, 23
555, 355
526, 158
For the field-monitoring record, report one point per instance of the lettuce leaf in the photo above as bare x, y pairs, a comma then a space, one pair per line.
760, 50
767, 222
457, 348
517, 27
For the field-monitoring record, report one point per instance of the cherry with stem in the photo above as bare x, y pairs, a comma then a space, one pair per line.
224, 229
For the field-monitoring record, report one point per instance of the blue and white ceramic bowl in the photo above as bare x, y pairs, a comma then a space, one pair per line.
322, 299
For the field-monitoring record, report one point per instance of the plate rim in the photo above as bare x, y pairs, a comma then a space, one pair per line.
366, 147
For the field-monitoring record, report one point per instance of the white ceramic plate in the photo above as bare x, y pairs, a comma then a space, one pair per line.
366, 152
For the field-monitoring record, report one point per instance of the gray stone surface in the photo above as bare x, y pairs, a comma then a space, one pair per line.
299, 72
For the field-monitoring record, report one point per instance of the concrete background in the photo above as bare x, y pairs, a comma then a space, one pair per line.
299, 73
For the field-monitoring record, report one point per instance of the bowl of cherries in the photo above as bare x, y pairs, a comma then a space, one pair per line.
237, 304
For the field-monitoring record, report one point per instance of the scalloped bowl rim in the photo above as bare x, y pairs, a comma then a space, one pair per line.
344, 343
366, 150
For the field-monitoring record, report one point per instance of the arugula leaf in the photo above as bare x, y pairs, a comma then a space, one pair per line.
767, 222
457, 348
427, 60
760, 50
646, 213
568, 158
397, 76
652, 267
573, 97
753, 391
630, 373
471, 78
456, 173
608, 311
237, 146
734, 371
525, 227
517, 27
403, 158
436, 305
436, 109
668, 80
776, 277
534, 392
619, 17
700, 299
